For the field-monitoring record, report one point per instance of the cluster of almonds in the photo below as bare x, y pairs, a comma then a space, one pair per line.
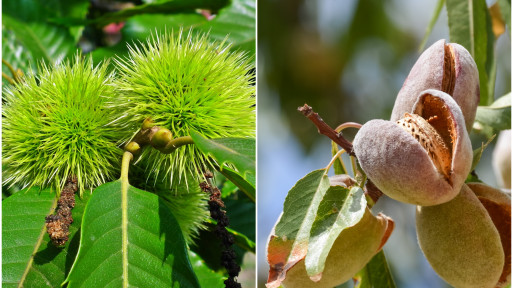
423, 156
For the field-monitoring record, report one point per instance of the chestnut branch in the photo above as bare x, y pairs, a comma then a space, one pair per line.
158, 137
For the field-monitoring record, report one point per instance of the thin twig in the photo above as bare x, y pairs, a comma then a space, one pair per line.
13, 72
348, 125
325, 129
6, 77
175, 143
372, 191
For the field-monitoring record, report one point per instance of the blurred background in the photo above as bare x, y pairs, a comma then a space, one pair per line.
346, 59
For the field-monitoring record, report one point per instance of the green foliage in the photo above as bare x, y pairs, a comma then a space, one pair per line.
38, 38
206, 277
340, 208
187, 84
470, 26
241, 212
24, 233
240, 152
505, 7
16, 254
238, 21
237, 18
291, 234
432, 22
155, 7
14, 54
496, 117
334, 208
245, 184
338, 165
62, 122
152, 251
301, 204
55, 45
477, 153
375, 274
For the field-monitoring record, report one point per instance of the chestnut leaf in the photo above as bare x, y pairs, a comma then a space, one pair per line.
23, 228
240, 152
154, 250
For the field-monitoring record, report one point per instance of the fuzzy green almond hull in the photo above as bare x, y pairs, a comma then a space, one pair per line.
354, 247
498, 205
461, 242
402, 163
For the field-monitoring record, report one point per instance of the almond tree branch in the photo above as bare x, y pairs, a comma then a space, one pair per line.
370, 189
325, 129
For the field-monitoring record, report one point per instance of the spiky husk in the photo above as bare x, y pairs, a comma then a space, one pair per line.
62, 123
189, 208
186, 83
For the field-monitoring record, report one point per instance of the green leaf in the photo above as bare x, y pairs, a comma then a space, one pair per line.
15, 54
241, 213
246, 186
432, 22
339, 209
160, 7
479, 152
40, 11
43, 42
207, 277
505, 7
496, 116
227, 186
289, 243
238, 151
238, 20
30, 11
23, 230
241, 239
212, 257
130, 237
375, 274
470, 26
139, 28
338, 166
50, 264
472, 178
